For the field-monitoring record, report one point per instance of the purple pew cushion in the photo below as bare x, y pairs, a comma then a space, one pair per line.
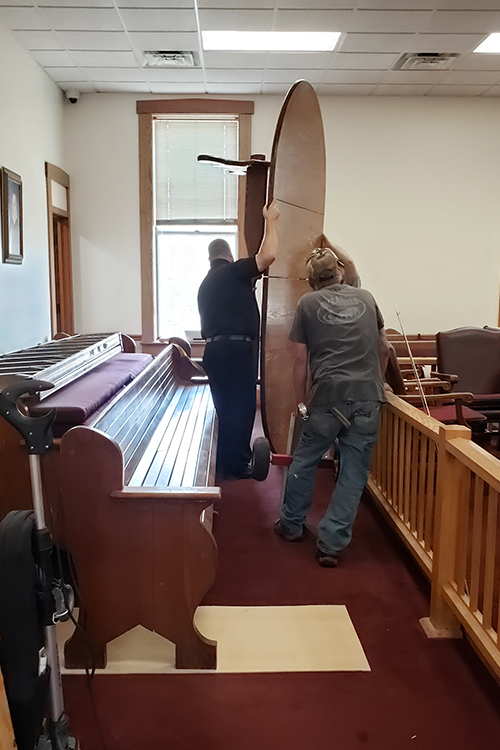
79, 400
448, 414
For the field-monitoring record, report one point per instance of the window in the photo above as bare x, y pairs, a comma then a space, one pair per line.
185, 203
194, 202
182, 266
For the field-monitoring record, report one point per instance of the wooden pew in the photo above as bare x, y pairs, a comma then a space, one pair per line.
135, 514
422, 346
69, 364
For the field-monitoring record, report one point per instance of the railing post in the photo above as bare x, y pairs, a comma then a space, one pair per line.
442, 623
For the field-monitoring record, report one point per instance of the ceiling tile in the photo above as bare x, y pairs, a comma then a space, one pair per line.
312, 20
172, 75
23, 19
462, 22
84, 87
242, 88
388, 21
477, 62
468, 4
177, 88
67, 74
165, 40
83, 19
152, 19
151, 3
492, 91
220, 4
38, 40
316, 4
235, 59
374, 34
413, 77
442, 90
377, 43
398, 4
404, 90
291, 75
218, 75
104, 59
116, 87
298, 59
95, 40
353, 61
236, 20
477, 77
445, 42
74, 3
54, 58
115, 74
344, 89
275, 88
353, 76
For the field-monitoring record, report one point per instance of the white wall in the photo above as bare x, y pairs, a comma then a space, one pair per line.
412, 193
30, 134
103, 164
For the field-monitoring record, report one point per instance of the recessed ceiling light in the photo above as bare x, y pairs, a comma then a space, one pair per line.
271, 41
491, 44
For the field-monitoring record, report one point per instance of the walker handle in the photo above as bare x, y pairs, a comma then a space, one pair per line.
36, 431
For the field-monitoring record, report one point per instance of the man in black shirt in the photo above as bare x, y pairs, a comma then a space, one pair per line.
230, 326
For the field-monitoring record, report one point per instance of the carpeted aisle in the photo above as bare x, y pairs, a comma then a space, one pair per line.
431, 695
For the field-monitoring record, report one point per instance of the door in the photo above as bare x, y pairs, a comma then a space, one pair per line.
61, 275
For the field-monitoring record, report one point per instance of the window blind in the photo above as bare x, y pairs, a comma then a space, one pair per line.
189, 190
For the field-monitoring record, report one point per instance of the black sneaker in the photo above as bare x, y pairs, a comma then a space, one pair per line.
280, 531
327, 559
245, 474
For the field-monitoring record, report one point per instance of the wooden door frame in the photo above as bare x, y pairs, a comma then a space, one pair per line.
57, 175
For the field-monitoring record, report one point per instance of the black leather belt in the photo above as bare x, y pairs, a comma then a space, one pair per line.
229, 337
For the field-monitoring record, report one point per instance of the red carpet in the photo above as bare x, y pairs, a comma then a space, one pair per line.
431, 695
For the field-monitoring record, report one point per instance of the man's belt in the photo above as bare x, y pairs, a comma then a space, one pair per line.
229, 337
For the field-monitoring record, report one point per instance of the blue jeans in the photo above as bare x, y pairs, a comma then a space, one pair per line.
355, 444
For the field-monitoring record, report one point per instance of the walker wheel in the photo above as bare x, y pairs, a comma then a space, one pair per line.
261, 458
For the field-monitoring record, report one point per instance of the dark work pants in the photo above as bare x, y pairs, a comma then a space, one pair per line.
231, 367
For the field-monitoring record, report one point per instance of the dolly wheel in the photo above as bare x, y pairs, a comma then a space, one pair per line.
261, 458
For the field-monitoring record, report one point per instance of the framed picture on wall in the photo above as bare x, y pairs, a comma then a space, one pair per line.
12, 217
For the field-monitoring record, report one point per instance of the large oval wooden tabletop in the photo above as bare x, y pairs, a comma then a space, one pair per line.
297, 180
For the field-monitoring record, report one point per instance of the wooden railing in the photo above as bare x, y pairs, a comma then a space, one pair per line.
440, 491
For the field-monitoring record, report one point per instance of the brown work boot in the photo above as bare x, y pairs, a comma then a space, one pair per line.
280, 531
327, 559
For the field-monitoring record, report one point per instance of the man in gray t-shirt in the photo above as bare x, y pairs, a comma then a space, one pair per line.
339, 339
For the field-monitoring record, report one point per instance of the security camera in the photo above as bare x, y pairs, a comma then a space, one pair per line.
72, 96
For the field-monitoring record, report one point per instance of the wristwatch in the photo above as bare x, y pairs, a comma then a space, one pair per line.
302, 409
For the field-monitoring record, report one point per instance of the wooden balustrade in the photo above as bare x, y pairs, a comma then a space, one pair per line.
440, 491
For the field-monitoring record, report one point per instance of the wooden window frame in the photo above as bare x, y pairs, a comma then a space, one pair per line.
148, 111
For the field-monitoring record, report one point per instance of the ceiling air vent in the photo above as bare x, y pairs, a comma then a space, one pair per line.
163, 59
425, 61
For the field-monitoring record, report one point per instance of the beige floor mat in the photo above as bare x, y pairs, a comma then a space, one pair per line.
319, 638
